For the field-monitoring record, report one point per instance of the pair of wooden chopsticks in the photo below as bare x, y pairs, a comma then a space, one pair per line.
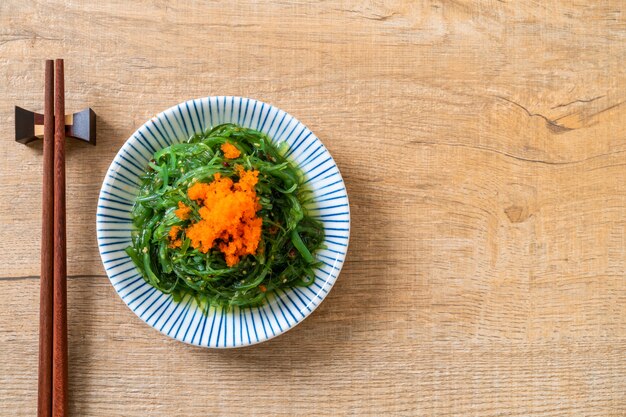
52, 398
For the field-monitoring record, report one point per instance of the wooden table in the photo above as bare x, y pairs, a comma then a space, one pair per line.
484, 149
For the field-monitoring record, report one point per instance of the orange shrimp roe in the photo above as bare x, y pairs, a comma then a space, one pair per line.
175, 242
230, 150
228, 211
182, 212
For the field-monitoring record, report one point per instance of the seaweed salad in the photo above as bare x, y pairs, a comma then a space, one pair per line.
222, 217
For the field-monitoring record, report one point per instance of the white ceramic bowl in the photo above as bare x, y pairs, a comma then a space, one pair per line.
184, 321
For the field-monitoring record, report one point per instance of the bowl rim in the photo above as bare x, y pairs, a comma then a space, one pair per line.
305, 312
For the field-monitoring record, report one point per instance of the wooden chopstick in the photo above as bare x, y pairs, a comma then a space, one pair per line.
59, 344
44, 397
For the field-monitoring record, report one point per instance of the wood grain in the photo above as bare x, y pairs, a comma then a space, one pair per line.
483, 145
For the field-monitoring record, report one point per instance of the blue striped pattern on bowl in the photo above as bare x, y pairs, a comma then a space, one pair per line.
184, 321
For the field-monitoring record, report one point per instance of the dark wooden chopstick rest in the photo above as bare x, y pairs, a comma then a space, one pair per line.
29, 126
